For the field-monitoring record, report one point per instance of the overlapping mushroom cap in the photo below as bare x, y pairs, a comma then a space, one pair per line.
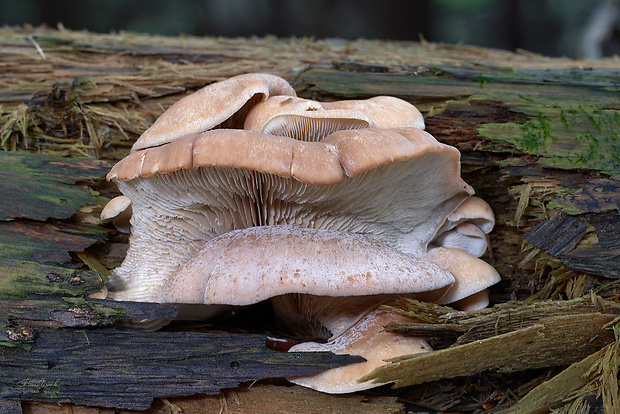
220, 104
353, 194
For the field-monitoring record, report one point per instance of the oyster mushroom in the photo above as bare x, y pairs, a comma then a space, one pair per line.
304, 269
367, 339
467, 228
323, 284
398, 185
220, 104
310, 120
300, 173
118, 211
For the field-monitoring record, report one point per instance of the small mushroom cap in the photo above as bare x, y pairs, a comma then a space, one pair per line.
244, 267
118, 210
473, 302
467, 227
472, 275
474, 210
384, 111
211, 106
367, 339
302, 119
263, 111
465, 236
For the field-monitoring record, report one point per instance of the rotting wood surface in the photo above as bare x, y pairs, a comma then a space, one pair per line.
538, 136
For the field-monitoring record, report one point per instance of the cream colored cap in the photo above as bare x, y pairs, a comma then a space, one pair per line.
217, 103
248, 266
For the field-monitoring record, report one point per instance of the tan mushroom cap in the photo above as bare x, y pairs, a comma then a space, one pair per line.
302, 119
367, 339
349, 153
472, 275
474, 210
118, 210
473, 302
384, 111
396, 184
465, 236
211, 106
247, 266
467, 227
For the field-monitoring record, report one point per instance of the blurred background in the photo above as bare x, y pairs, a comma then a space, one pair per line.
573, 28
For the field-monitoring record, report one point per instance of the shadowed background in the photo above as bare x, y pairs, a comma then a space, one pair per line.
576, 28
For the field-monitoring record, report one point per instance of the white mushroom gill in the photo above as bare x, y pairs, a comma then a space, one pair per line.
244, 162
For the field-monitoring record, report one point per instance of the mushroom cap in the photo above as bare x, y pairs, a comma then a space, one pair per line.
302, 119
467, 227
211, 106
343, 153
384, 111
247, 266
396, 184
367, 339
118, 210
473, 302
465, 236
474, 210
472, 275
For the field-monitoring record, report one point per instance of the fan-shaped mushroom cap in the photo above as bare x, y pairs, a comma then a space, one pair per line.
396, 184
302, 119
367, 339
384, 111
473, 210
473, 302
465, 236
213, 105
247, 266
118, 211
467, 227
472, 275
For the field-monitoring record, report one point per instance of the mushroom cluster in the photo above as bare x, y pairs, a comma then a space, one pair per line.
243, 192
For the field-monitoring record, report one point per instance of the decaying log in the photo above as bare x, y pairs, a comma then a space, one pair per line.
509, 337
539, 141
127, 369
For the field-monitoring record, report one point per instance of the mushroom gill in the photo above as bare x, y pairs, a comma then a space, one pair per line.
244, 169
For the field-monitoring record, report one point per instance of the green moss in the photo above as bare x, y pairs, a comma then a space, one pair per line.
38, 186
564, 136
535, 134
21, 278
